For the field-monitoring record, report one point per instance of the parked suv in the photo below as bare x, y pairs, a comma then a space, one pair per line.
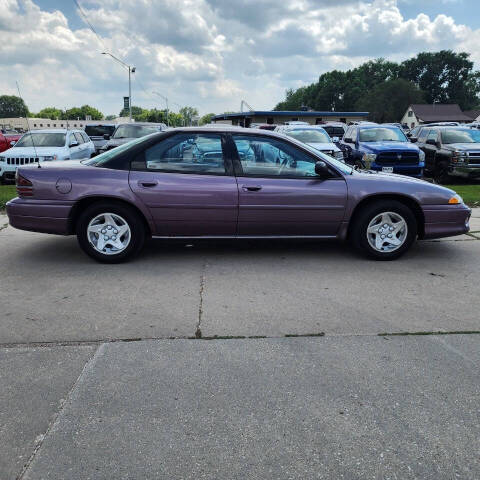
40, 146
129, 131
382, 148
450, 151
312, 135
97, 131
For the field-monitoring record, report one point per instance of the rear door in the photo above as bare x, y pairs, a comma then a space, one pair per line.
279, 192
187, 183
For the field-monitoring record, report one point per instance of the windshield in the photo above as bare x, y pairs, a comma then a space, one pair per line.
99, 130
42, 140
382, 135
134, 131
104, 157
309, 135
459, 136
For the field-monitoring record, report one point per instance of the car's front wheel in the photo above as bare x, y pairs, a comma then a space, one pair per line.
384, 230
110, 232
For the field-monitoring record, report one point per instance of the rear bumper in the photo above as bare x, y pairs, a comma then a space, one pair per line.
39, 216
445, 220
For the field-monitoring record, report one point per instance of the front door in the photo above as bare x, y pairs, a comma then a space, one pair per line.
187, 185
280, 194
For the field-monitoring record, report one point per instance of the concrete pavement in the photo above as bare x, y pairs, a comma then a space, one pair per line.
86, 394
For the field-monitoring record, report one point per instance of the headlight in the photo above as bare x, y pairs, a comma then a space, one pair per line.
456, 199
421, 156
49, 158
459, 157
2, 159
369, 157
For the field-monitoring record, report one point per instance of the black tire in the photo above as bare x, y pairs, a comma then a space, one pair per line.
440, 174
128, 214
358, 232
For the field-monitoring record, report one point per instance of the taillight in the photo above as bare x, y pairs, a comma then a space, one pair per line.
24, 186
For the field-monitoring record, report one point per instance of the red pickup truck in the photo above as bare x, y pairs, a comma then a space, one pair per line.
6, 137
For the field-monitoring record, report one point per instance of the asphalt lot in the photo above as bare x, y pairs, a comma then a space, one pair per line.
103, 377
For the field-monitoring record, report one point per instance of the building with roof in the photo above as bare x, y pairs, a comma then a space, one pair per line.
473, 114
245, 119
20, 123
421, 114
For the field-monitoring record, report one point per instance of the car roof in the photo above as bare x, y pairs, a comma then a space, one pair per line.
377, 125
101, 124
55, 130
143, 124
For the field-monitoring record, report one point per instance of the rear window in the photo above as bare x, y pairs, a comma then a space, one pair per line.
99, 130
334, 131
135, 131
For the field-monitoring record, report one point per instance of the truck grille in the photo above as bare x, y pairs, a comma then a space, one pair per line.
396, 158
21, 160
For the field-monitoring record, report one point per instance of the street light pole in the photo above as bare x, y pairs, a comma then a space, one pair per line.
130, 71
166, 102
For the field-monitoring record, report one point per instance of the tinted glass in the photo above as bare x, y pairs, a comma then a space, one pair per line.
134, 131
460, 136
187, 153
99, 130
309, 135
422, 134
432, 135
42, 140
264, 157
334, 131
382, 135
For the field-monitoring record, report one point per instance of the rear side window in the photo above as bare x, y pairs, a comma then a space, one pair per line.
186, 153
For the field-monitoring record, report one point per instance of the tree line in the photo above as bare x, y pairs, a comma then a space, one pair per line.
12, 106
386, 89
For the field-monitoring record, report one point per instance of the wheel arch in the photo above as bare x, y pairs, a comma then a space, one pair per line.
406, 200
85, 202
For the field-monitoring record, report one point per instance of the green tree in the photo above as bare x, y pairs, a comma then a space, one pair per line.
207, 118
12, 106
445, 77
50, 112
110, 117
82, 112
137, 112
388, 101
188, 113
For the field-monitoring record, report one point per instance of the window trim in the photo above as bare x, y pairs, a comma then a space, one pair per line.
227, 163
239, 169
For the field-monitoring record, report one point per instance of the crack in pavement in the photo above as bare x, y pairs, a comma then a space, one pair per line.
198, 331
41, 438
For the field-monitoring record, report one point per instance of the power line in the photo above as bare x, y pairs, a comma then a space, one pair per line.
85, 18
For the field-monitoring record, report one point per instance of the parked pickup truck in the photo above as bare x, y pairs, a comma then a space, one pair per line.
6, 139
383, 148
451, 152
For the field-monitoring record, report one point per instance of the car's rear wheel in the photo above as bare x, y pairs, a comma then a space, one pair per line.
384, 230
110, 232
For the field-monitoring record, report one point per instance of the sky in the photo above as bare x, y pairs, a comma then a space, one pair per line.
211, 54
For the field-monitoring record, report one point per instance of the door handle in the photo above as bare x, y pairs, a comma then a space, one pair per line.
148, 184
251, 188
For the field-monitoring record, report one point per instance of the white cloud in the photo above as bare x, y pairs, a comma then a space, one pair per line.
205, 53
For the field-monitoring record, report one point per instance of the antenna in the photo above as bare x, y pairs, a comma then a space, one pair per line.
28, 126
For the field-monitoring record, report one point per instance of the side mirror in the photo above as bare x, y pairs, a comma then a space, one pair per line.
431, 141
348, 140
13, 142
73, 144
106, 136
335, 139
413, 139
321, 169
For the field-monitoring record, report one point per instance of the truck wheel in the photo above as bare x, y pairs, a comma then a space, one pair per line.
110, 232
440, 173
384, 230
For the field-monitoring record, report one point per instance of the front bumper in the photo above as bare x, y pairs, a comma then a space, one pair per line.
466, 171
39, 215
412, 170
445, 220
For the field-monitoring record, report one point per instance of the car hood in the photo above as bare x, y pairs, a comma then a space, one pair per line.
330, 147
377, 147
31, 152
115, 142
463, 147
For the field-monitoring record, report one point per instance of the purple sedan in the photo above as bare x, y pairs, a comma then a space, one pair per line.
228, 183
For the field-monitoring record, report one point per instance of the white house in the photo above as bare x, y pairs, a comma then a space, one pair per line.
419, 114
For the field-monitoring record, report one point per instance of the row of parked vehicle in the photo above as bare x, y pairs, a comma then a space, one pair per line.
441, 151
46, 145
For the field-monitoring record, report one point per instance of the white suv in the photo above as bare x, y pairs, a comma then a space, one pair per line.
40, 146
314, 136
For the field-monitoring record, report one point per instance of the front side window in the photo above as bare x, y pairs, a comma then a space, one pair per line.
79, 138
187, 153
309, 135
382, 135
432, 135
134, 131
42, 140
265, 157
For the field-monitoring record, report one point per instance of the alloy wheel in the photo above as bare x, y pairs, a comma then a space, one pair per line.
109, 233
387, 232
